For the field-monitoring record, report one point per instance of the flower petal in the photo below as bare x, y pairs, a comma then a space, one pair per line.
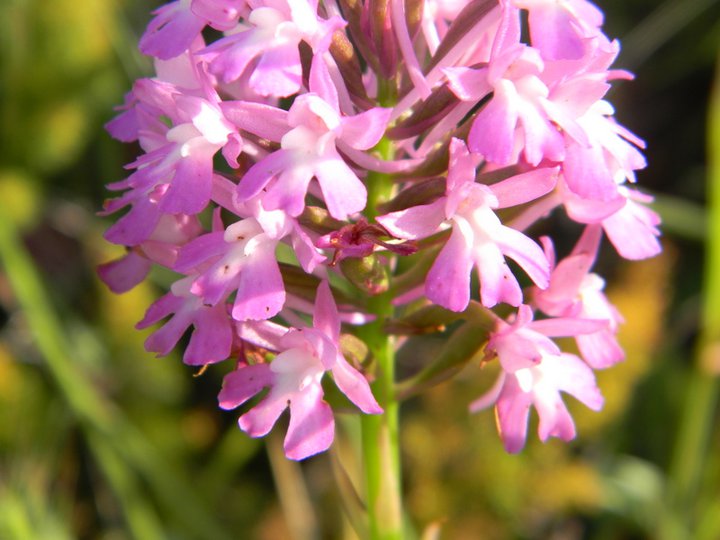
448, 281
312, 426
354, 385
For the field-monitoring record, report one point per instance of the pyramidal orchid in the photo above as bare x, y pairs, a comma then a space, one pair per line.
329, 180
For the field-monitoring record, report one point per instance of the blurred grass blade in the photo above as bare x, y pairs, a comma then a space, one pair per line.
681, 218
690, 455
349, 497
100, 420
140, 517
658, 28
231, 454
292, 491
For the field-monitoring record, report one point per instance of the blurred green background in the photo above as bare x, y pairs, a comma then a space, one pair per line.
98, 439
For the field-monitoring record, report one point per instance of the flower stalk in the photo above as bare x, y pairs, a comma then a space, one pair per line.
380, 433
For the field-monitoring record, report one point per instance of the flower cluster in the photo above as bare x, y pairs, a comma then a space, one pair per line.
258, 186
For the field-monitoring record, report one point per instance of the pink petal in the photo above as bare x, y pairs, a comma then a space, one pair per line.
587, 174
468, 84
230, 56
199, 250
568, 326
243, 383
136, 226
526, 253
261, 292
212, 338
542, 139
312, 426
555, 32
325, 316
305, 250
124, 127
415, 222
591, 211
600, 349
497, 282
555, 420
461, 173
526, 187
342, 190
288, 192
521, 349
448, 281
189, 190
166, 337
364, 130
259, 420
508, 32
221, 14
124, 273
279, 72
573, 376
262, 120
261, 173
512, 411
232, 150
354, 385
321, 83
399, 25
565, 283
264, 334
493, 131
633, 231
161, 308
171, 32
216, 283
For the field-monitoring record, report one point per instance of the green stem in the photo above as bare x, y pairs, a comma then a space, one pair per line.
380, 441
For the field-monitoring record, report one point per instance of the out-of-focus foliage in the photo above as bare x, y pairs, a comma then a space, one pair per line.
60, 74
98, 439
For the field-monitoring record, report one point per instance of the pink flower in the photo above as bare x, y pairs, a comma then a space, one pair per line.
172, 30
178, 24
294, 377
171, 232
240, 259
220, 14
534, 372
478, 238
540, 386
515, 118
561, 29
575, 292
271, 35
603, 158
633, 229
175, 175
630, 226
308, 150
212, 336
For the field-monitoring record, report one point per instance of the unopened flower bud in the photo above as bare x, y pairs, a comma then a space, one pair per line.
368, 274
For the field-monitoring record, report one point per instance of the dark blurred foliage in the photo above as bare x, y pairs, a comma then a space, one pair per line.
98, 439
